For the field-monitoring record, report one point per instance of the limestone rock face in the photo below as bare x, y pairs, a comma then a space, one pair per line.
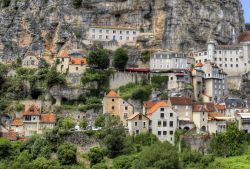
45, 27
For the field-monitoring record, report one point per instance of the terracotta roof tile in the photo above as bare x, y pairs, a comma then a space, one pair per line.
181, 100
112, 93
135, 115
199, 65
48, 118
149, 104
17, 122
78, 61
32, 111
157, 106
203, 107
63, 54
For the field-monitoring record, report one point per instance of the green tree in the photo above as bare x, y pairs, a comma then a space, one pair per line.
120, 59
229, 143
43, 163
99, 59
95, 155
66, 154
40, 148
5, 148
158, 156
100, 120
124, 162
55, 78
68, 123
83, 123
23, 161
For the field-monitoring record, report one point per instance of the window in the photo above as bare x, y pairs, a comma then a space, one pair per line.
144, 124
107, 31
100, 30
113, 107
162, 109
125, 115
140, 117
215, 59
237, 59
93, 30
127, 32
159, 123
63, 59
120, 32
220, 59
220, 65
171, 132
164, 133
126, 107
237, 65
27, 118
159, 133
219, 52
164, 123
137, 131
171, 78
136, 123
76, 68
171, 114
225, 65
231, 59
120, 37
107, 37
114, 31
134, 32
231, 65
203, 119
113, 37
100, 36
127, 38
171, 123
113, 100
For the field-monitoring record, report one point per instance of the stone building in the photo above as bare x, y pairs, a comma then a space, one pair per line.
138, 123
233, 59
217, 122
183, 106
197, 82
33, 122
165, 61
67, 63
113, 37
163, 121
114, 105
31, 61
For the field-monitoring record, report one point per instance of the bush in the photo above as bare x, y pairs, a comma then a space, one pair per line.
83, 123
66, 154
5, 3
123, 162
100, 166
99, 59
100, 120
5, 148
120, 59
248, 26
95, 155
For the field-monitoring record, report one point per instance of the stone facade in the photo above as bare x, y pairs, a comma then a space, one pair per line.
31, 61
137, 124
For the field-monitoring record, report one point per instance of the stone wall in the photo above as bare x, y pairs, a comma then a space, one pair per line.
119, 79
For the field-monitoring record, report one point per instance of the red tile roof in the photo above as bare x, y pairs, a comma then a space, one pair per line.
135, 115
157, 106
203, 107
17, 122
199, 65
63, 54
78, 61
149, 104
244, 37
112, 93
32, 111
48, 118
220, 107
181, 100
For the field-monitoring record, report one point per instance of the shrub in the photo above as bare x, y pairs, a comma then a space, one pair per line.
95, 155
120, 59
99, 59
66, 154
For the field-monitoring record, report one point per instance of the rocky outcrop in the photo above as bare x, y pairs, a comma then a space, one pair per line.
44, 27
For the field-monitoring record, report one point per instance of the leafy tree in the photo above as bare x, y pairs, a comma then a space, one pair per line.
23, 161
100, 120
5, 148
55, 78
19, 107
120, 59
145, 139
83, 123
68, 123
43, 163
114, 141
40, 148
229, 143
159, 81
99, 59
158, 156
124, 162
95, 155
66, 154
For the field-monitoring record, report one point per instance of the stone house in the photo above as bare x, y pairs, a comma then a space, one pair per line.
215, 83
163, 121
31, 61
67, 63
234, 105
138, 123
112, 37
183, 106
33, 122
200, 115
217, 122
114, 105
244, 121
197, 81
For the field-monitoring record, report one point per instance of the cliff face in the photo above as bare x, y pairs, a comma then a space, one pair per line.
44, 27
